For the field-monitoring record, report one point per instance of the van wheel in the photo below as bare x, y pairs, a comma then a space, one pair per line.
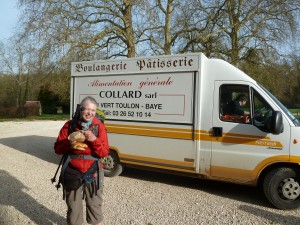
112, 165
281, 187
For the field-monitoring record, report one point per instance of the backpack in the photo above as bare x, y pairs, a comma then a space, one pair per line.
71, 178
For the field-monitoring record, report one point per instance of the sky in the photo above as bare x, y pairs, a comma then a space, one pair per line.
8, 18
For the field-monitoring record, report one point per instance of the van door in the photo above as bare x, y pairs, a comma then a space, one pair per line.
241, 144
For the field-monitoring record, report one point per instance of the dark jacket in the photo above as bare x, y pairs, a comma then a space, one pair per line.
234, 109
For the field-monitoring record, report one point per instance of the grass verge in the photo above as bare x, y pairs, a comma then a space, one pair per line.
41, 117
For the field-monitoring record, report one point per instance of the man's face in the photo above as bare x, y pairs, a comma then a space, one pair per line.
243, 102
88, 112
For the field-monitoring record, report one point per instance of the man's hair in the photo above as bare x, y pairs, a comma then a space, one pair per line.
242, 97
90, 99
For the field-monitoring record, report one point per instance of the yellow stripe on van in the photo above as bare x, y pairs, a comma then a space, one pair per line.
187, 167
245, 135
242, 175
247, 141
187, 134
295, 159
178, 133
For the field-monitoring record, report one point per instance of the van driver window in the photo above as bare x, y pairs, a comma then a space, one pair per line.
262, 111
234, 103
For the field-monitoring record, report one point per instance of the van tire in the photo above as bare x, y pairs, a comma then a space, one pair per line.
112, 165
281, 187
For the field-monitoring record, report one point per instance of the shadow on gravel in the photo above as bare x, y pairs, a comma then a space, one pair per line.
248, 194
38, 146
271, 216
12, 194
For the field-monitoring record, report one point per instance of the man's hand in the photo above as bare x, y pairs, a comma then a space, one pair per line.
89, 135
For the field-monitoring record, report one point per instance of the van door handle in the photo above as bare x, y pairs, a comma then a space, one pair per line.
217, 131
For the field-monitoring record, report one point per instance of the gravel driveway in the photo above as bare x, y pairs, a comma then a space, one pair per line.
27, 196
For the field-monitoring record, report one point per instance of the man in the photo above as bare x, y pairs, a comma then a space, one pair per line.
234, 108
96, 145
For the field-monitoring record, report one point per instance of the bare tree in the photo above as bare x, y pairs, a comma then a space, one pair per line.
88, 29
239, 31
161, 27
255, 24
173, 26
203, 34
13, 59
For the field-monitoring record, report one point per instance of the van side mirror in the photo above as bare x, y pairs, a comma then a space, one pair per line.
274, 123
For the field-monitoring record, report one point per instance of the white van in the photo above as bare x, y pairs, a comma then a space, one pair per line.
180, 113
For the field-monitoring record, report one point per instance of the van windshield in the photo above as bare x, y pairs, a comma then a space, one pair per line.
283, 108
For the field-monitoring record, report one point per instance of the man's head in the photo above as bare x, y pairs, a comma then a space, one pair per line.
242, 99
88, 108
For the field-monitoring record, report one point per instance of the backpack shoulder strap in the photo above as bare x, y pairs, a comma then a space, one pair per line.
95, 129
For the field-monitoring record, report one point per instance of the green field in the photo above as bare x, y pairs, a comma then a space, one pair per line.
41, 117
295, 112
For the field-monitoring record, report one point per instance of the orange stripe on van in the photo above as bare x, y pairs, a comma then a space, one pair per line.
242, 175
187, 134
248, 141
295, 159
158, 163
215, 172
245, 135
151, 131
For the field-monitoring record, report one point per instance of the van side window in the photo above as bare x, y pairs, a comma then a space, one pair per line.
234, 103
262, 111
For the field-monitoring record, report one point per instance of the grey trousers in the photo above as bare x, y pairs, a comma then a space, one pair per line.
93, 204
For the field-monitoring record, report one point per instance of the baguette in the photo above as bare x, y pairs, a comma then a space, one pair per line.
77, 136
79, 146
